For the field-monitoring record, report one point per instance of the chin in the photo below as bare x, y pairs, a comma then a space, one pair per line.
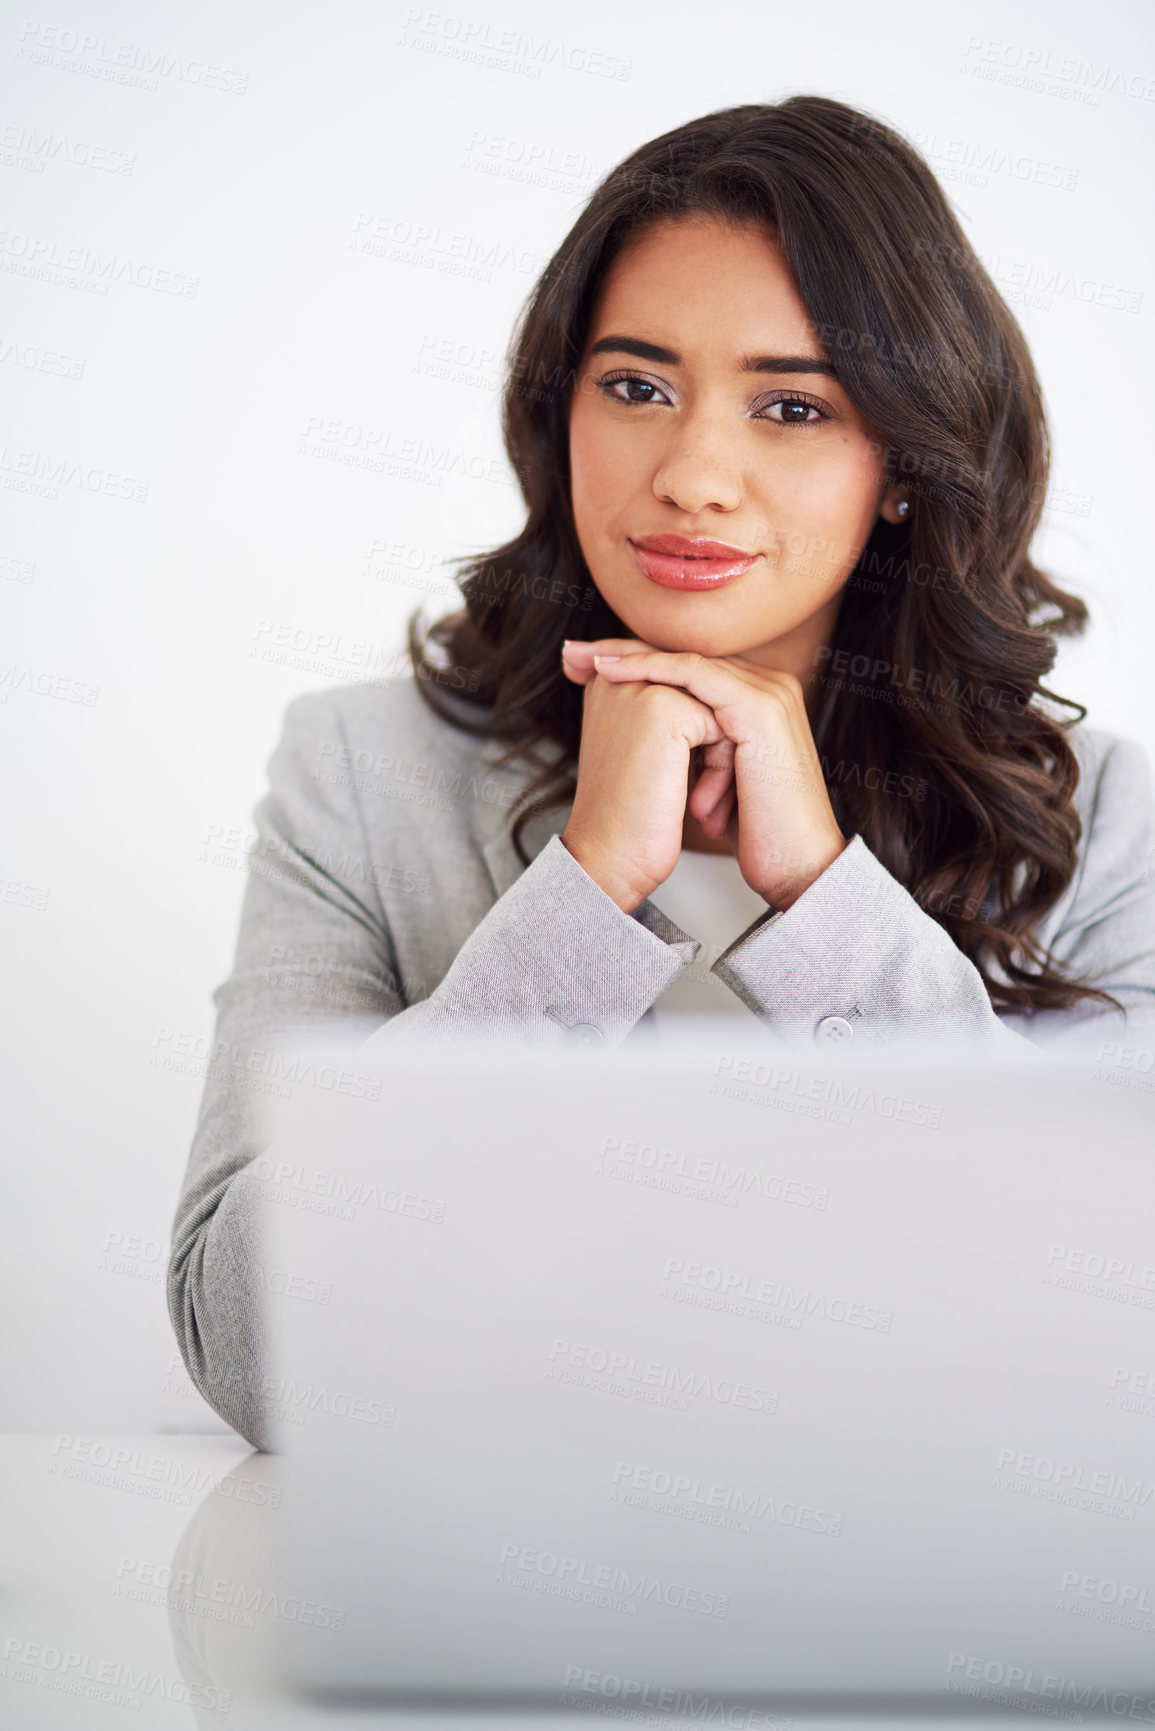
712, 643
679, 625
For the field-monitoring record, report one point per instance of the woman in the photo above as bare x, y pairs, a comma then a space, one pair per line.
766, 659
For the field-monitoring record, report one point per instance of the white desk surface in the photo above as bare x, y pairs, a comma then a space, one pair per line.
92, 1525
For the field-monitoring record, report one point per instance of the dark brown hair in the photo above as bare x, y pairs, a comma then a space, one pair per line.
940, 745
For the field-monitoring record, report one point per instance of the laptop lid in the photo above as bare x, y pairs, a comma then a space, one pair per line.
696, 1374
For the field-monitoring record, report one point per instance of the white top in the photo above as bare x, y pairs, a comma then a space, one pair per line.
709, 898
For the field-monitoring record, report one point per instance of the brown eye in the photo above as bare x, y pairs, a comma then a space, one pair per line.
796, 412
634, 389
622, 387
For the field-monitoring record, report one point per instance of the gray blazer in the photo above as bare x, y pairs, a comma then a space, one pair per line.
385, 899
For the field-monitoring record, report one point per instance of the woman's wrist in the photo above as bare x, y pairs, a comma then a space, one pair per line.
790, 880
620, 888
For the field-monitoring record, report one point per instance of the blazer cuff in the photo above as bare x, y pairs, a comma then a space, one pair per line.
856, 955
555, 961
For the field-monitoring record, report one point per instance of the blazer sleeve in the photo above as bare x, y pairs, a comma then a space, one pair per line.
553, 961
856, 947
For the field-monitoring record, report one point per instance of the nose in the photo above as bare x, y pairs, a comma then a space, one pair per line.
697, 471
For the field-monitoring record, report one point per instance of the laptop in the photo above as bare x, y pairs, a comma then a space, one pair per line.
691, 1380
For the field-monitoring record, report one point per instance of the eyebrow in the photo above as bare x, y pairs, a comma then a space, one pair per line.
748, 364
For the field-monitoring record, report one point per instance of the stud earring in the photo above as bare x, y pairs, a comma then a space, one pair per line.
903, 507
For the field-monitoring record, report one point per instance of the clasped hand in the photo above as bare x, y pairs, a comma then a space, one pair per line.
645, 711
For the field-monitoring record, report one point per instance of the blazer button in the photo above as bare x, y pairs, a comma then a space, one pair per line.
833, 1031
585, 1034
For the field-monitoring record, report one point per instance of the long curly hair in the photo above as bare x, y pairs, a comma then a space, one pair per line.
940, 745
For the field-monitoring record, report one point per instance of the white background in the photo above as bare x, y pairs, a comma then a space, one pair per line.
354, 120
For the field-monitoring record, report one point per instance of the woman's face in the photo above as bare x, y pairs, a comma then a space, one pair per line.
734, 430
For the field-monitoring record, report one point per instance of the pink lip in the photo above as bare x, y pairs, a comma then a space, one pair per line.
689, 561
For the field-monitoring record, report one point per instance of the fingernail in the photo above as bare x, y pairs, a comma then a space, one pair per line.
603, 660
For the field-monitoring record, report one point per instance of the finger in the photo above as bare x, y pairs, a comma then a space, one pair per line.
582, 647
577, 655
711, 682
716, 822
769, 678
703, 732
716, 775
575, 671
719, 755
709, 789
